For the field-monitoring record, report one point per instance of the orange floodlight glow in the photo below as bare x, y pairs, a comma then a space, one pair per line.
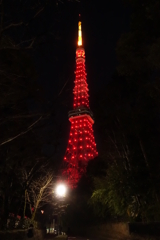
79, 33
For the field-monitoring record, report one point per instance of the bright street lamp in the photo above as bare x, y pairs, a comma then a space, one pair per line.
61, 190
60, 193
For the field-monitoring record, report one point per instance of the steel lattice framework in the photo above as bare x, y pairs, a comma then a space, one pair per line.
81, 144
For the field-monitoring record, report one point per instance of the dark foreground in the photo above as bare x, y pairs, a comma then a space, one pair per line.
102, 235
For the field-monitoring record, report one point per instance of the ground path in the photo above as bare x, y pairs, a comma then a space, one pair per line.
64, 237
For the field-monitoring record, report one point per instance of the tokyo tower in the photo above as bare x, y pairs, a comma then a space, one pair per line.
81, 144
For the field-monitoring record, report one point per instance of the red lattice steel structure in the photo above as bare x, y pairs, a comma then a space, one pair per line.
81, 144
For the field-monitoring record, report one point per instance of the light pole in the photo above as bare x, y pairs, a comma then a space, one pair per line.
60, 192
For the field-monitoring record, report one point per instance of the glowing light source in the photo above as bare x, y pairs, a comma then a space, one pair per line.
61, 190
79, 33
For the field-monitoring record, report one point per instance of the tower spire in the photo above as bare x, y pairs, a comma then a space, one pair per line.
79, 33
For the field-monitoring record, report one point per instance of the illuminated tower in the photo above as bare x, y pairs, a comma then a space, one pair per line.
81, 144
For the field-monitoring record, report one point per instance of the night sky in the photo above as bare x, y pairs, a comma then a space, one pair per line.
102, 25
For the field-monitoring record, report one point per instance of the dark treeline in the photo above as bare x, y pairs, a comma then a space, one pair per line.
27, 122
129, 115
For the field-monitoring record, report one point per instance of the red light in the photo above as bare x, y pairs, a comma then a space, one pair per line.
87, 142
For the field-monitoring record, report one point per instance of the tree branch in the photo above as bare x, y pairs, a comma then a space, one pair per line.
22, 133
12, 25
37, 13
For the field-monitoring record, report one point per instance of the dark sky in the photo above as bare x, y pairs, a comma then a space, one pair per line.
102, 24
